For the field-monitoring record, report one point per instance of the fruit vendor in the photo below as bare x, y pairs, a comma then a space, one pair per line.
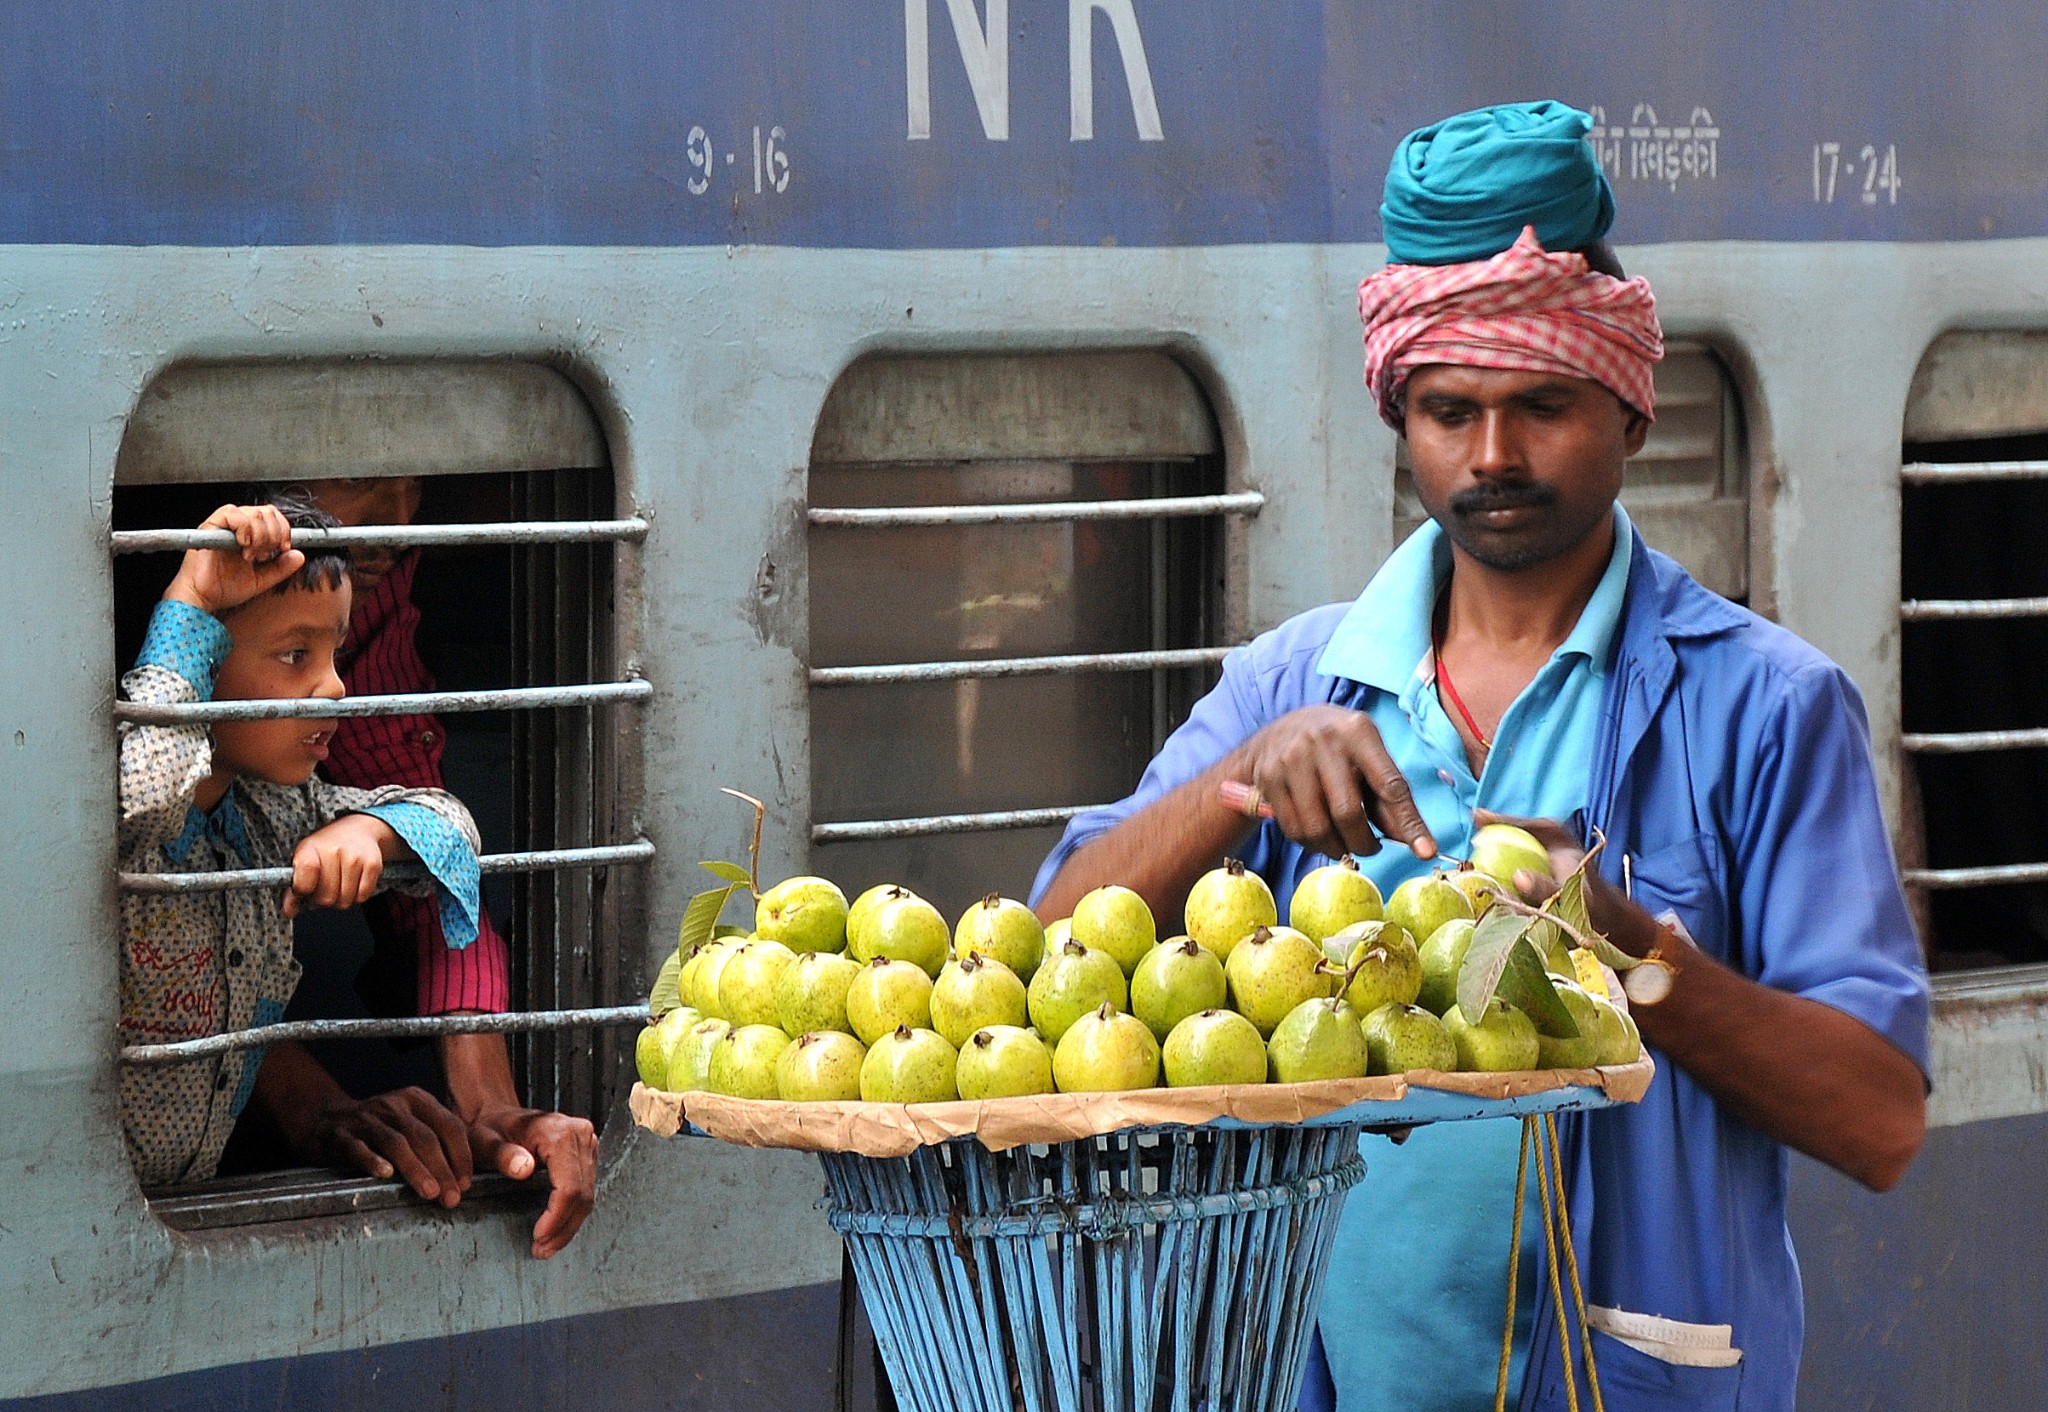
1527, 654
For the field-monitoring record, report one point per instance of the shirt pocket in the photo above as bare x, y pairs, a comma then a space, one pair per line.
1633, 1381
1683, 878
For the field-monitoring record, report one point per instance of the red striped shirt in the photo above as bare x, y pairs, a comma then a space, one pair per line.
381, 657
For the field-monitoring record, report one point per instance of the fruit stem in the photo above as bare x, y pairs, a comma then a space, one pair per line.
754, 848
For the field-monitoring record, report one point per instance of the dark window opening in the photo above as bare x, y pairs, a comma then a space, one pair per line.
1978, 541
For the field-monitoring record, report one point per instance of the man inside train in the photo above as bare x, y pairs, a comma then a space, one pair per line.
381, 655
1525, 654
259, 622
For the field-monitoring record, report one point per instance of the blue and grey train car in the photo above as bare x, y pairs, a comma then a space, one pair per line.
893, 411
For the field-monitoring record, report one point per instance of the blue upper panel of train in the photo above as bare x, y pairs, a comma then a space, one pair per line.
901, 124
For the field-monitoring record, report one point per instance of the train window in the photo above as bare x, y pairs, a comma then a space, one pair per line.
1974, 656
1687, 489
523, 566
1016, 591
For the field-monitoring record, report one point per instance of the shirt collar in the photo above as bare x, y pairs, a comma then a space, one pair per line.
1383, 641
223, 825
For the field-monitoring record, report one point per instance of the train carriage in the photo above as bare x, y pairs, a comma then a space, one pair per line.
895, 412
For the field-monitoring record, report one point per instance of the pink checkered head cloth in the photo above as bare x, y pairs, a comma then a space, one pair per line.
1525, 310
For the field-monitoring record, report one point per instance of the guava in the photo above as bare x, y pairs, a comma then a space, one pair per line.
1106, 1051
1003, 1061
1618, 1042
747, 982
1332, 898
1442, 955
1385, 968
909, 1065
1401, 1038
1319, 1039
1272, 971
1582, 1052
804, 914
1478, 888
909, 929
655, 1049
1556, 952
887, 995
1228, 904
743, 1062
973, 993
1115, 921
705, 992
1421, 905
1057, 934
820, 1067
1214, 1047
1004, 930
1504, 1041
863, 908
812, 993
689, 1068
1073, 981
1502, 850
1176, 979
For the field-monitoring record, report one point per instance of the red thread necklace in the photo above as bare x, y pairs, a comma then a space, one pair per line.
1443, 679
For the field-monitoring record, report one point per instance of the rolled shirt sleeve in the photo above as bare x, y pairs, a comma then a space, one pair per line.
1821, 888
449, 856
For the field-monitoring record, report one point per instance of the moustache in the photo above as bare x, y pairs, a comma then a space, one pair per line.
1513, 495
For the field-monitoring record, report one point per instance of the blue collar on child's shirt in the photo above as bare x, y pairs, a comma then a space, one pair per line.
223, 824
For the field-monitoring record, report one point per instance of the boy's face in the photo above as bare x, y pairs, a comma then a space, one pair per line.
376, 500
284, 649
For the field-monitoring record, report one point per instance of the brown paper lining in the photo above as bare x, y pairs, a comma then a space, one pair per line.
895, 1129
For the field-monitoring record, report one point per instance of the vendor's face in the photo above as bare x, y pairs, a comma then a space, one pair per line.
377, 500
1519, 468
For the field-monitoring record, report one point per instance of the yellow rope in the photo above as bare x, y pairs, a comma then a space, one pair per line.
1550, 1241
1507, 1334
1571, 1260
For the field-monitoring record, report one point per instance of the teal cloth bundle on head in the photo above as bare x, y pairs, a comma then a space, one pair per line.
1462, 189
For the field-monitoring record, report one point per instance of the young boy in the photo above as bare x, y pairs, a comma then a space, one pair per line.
382, 656
263, 622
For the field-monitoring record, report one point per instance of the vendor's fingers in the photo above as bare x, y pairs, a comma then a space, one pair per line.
1535, 887
1344, 800
1392, 807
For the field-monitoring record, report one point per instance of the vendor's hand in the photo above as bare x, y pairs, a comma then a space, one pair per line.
1613, 914
216, 580
514, 1140
406, 1134
340, 865
1331, 783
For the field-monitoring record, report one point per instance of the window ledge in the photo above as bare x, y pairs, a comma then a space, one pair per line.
310, 1193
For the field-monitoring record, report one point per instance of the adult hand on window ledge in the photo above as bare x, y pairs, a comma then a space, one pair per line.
512, 1140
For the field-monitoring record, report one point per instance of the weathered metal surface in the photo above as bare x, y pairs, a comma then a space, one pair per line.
1994, 875
408, 703
534, 861
1972, 742
400, 536
1971, 472
1990, 1045
1020, 666
309, 1193
1165, 507
1943, 610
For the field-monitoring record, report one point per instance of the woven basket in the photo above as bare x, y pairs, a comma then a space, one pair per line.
1166, 1268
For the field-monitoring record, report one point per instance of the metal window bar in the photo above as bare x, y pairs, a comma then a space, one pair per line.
490, 864
1972, 742
1949, 610
522, 532
946, 823
990, 667
411, 703
1243, 502
414, 1027
1995, 876
1969, 472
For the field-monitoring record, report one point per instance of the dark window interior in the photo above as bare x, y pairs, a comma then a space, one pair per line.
947, 592
1979, 541
491, 617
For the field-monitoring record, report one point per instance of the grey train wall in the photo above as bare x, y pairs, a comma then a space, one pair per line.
707, 267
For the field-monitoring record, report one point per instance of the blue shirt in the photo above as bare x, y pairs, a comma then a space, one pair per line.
1731, 764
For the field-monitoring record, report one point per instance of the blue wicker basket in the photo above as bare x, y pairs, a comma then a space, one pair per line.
1155, 1268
